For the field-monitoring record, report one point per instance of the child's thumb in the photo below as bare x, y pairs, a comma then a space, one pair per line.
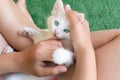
53, 70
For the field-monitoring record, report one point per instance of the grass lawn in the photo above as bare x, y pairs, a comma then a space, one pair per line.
101, 14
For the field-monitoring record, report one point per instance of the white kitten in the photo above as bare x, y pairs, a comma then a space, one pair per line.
59, 26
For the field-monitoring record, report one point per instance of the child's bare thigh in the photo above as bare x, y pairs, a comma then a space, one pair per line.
108, 60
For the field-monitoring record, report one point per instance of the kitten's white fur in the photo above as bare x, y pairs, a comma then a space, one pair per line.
60, 55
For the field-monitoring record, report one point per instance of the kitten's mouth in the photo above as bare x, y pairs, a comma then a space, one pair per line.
56, 34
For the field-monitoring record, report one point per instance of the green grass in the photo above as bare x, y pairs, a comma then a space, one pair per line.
101, 14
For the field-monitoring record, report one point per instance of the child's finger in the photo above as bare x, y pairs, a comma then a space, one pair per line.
52, 70
71, 16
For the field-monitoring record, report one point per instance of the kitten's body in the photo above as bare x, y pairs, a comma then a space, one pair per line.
59, 26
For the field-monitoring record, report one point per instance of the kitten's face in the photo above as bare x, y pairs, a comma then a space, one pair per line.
58, 22
59, 26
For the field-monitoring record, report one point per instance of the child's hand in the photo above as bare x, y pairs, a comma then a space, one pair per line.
80, 33
32, 59
85, 67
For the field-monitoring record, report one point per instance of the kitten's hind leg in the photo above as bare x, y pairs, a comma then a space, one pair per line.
63, 56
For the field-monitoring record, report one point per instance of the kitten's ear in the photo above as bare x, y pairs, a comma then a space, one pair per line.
58, 9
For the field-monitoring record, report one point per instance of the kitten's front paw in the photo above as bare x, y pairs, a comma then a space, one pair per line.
62, 56
27, 32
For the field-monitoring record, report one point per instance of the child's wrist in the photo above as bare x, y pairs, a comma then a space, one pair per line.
83, 52
8, 63
17, 60
14, 62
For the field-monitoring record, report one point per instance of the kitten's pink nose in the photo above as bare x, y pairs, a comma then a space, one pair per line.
56, 33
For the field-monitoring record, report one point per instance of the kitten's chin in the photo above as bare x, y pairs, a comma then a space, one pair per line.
61, 36
64, 38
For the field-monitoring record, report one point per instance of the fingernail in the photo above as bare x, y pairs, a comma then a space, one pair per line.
67, 7
63, 69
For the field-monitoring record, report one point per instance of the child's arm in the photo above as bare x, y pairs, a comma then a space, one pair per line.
8, 63
85, 68
100, 38
31, 60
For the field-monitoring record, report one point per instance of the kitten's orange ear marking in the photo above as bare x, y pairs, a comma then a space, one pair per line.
58, 8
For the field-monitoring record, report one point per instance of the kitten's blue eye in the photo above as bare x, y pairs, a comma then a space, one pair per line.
66, 30
56, 23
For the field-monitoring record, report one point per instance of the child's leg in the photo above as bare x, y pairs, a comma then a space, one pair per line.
107, 51
12, 19
100, 38
22, 5
108, 60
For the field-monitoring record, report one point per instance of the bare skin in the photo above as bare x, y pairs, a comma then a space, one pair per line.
85, 67
106, 43
16, 20
104, 62
30, 61
31, 57
22, 5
